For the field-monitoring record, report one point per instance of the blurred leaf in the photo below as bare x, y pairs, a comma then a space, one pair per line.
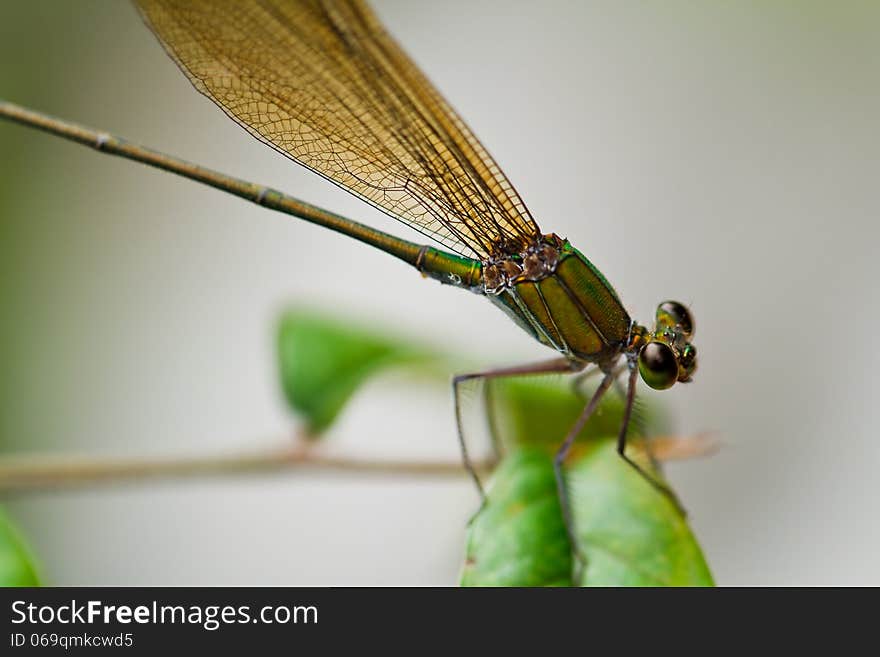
17, 567
630, 533
540, 411
323, 362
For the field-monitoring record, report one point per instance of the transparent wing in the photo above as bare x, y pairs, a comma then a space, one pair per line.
323, 83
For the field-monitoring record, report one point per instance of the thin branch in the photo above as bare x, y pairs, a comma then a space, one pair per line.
29, 474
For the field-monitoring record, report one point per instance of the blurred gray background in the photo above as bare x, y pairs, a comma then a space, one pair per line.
725, 154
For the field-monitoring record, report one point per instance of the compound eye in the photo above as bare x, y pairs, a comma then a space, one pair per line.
658, 365
672, 313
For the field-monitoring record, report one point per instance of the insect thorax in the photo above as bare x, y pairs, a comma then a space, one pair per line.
535, 263
556, 295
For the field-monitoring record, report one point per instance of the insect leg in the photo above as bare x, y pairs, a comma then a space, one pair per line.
562, 453
638, 419
621, 439
555, 366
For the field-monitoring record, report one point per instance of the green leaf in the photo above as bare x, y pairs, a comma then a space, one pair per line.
630, 533
17, 567
323, 361
519, 539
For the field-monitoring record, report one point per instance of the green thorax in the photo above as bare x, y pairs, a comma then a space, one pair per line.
563, 302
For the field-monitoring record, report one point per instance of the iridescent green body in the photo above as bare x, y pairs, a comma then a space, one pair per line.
573, 310
562, 301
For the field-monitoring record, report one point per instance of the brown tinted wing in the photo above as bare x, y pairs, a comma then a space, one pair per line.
323, 83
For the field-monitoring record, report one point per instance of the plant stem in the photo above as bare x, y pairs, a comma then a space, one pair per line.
21, 475
34, 474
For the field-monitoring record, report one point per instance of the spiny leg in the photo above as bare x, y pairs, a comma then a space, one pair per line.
562, 453
621, 438
555, 366
622, 389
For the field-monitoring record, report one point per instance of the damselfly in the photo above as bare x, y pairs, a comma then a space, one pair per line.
323, 83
